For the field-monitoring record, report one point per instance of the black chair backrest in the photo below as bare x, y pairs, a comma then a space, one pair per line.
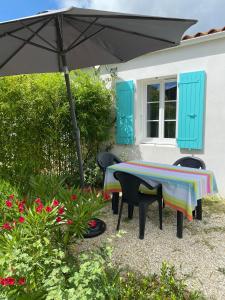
106, 159
191, 162
130, 185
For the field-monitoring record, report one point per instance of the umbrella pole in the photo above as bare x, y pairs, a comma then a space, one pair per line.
75, 129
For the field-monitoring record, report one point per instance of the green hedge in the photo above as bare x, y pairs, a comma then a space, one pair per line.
35, 128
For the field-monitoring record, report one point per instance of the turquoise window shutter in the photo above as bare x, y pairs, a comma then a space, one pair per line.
125, 112
191, 110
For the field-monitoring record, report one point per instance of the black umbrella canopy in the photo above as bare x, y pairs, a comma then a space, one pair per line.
90, 37
73, 38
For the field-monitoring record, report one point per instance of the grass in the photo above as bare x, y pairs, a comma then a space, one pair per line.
214, 204
222, 270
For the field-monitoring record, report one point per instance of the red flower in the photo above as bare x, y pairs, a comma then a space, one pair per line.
22, 281
48, 208
11, 196
58, 219
55, 202
106, 196
73, 197
10, 281
39, 208
21, 206
61, 210
2, 281
38, 201
8, 203
69, 222
7, 226
92, 223
21, 219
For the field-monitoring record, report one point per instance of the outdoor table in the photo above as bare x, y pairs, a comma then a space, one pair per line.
181, 186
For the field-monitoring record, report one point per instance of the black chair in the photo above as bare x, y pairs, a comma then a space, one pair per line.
197, 163
104, 160
130, 185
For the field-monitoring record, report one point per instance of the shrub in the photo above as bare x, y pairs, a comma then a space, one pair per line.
35, 127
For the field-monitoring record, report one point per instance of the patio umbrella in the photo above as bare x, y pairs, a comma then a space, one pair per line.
73, 38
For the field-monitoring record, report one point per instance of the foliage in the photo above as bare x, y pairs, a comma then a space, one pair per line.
166, 286
35, 235
35, 128
7, 189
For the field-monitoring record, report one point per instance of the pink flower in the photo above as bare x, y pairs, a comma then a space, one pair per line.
22, 281
39, 208
92, 223
61, 210
8, 203
73, 197
38, 201
21, 219
7, 226
58, 219
10, 281
69, 222
55, 202
48, 208
21, 206
11, 196
106, 196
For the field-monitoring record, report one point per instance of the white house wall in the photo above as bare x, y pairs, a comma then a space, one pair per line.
209, 56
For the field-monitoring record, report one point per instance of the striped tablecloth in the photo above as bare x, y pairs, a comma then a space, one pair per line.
181, 186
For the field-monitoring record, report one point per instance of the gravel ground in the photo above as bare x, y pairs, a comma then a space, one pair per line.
199, 257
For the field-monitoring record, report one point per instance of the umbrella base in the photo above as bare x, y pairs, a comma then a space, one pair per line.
97, 230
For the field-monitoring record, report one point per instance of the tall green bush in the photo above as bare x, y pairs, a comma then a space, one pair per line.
35, 127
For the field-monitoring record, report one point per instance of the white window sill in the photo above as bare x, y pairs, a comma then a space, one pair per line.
159, 142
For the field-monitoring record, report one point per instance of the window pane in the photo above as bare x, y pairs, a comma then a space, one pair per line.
169, 129
153, 93
153, 111
170, 110
153, 129
171, 90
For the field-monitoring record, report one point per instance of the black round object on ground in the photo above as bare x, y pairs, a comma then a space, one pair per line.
97, 230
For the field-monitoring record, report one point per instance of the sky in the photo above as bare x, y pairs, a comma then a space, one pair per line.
209, 13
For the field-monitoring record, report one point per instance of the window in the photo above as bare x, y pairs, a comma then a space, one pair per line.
160, 109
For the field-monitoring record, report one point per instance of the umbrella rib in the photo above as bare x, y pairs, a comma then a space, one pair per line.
82, 33
70, 48
84, 39
37, 34
128, 31
31, 43
21, 47
20, 28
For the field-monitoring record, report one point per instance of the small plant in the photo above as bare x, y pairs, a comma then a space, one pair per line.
222, 270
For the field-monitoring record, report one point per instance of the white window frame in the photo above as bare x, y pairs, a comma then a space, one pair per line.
160, 139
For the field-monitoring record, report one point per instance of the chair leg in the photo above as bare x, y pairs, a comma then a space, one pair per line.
142, 219
199, 210
194, 214
179, 224
160, 213
115, 203
120, 214
130, 211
